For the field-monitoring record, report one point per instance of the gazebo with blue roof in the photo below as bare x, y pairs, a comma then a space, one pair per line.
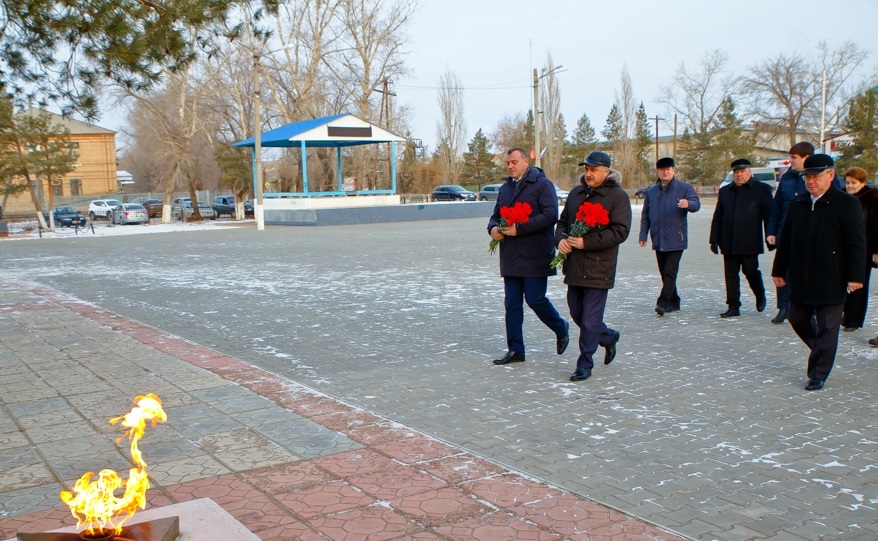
339, 131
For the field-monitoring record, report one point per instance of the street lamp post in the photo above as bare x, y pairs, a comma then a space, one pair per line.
258, 211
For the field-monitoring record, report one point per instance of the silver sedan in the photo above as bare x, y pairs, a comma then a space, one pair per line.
129, 213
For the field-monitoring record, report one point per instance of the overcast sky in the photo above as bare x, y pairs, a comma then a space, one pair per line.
494, 45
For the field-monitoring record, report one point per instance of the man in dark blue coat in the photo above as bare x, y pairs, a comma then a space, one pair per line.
666, 206
526, 249
823, 250
790, 185
741, 215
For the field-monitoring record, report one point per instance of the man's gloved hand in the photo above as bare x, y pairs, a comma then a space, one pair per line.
714, 247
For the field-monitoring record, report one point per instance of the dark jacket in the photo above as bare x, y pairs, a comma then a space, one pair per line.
868, 198
531, 250
789, 185
595, 266
823, 247
740, 217
665, 222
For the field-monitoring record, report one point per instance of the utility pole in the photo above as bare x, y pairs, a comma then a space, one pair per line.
384, 115
675, 137
657, 118
537, 125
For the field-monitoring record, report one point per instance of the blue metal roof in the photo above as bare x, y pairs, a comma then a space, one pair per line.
281, 137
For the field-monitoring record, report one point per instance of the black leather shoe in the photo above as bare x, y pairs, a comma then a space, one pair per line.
660, 311
851, 329
581, 374
761, 303
731, 312
670, 309
611, 349
814, 384
780, 317
873, 341
510, 357
563, 339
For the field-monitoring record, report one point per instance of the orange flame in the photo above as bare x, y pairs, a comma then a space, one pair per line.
95, 503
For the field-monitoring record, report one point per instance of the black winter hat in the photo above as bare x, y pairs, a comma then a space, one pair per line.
817, 163
596, 159
742, 163
664, 163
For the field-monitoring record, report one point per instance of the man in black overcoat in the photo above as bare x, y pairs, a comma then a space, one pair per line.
526, 250
738, 228
823, 248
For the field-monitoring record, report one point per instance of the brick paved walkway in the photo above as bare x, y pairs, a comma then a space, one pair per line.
286, 461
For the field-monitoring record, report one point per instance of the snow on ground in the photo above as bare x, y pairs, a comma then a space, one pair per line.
22, 231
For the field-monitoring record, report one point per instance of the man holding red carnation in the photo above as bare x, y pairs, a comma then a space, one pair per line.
590, 268
526, 248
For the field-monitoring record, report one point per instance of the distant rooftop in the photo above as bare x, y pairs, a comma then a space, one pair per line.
75, 127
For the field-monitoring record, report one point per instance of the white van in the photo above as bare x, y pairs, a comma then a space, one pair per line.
767, 175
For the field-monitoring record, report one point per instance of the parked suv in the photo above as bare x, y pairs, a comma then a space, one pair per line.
489, 192
767, 175
225, 204
153, 206
99, 208
452, 192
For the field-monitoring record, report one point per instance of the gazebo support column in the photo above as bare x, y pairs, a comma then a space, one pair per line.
304, 168
393, 165
340, 176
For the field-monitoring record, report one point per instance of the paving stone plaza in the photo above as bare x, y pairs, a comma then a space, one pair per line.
700, 429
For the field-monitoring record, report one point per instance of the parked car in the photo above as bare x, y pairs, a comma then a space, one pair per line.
562, 195
641, 193
67, 217
767, 175
100, 208
153, 206
184, 211
489, 192
452, 192
129, 213
225, 204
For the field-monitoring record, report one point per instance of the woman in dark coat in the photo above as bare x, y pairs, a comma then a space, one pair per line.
855, 305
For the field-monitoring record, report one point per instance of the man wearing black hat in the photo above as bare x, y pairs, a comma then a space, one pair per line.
822, 247
526, 249
740, 217
666, 206
590, 270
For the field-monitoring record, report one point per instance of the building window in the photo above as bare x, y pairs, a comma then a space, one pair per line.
57, 188
76, 186
74, 144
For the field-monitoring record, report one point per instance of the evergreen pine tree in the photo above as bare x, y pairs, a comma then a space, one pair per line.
730, 141
643, 140
612, 131
478, 161
862, 126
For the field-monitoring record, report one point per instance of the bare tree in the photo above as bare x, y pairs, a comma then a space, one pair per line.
511, 131
451, 128
787, 90
173, 118
697, 96
625, 153
552, 121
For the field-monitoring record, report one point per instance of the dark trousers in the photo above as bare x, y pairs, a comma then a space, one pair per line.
533, 291
669, 266
857, 302
822, 340
783, 294
749, 265
587, 310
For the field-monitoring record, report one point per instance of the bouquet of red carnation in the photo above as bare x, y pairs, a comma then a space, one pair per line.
588, 216
519, 213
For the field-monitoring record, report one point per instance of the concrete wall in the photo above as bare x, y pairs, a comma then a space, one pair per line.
378, 214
